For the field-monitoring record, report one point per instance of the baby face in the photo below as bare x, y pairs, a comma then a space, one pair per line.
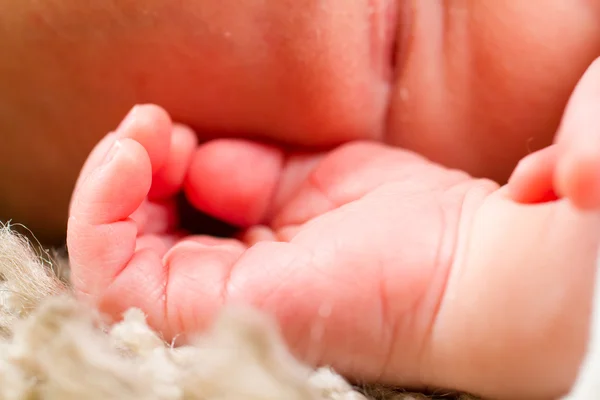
470, 84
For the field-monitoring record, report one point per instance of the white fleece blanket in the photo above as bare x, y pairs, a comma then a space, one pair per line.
52, 347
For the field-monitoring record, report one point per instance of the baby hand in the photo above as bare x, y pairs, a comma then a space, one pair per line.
372, 259
349, 250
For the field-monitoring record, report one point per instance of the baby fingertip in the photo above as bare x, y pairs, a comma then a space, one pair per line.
577, 178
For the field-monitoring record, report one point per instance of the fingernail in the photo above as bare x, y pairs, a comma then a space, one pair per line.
112, 152
129, 120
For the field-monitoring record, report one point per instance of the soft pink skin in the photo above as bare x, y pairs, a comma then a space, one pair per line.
372, 259
478, 84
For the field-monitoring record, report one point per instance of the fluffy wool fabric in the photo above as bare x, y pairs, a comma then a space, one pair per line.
52, 347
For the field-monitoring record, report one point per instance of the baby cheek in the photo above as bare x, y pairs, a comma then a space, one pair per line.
295, 71
484, 89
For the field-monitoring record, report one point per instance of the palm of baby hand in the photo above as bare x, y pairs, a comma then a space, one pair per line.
357, 240
356, 246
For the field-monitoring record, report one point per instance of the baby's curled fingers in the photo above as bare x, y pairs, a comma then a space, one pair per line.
532, 180
150, 126
133, 127
101, 235
577, 174
97, 155
168, 180
158, 213
247, 183
181, 290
